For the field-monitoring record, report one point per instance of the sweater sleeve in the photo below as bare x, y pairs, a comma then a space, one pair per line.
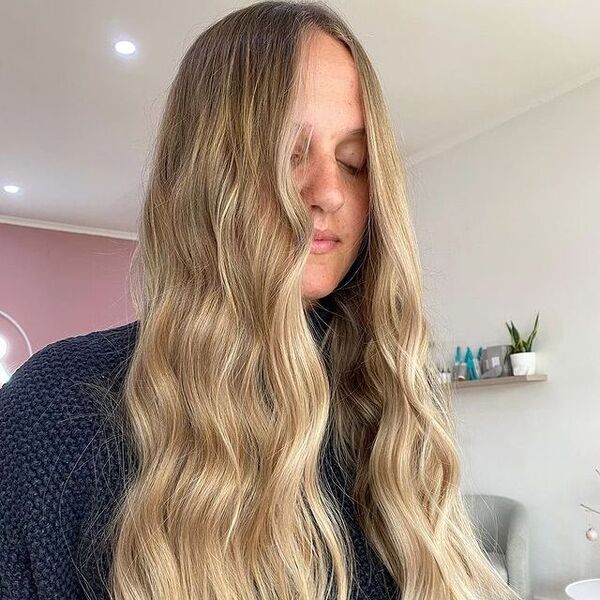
52, 471
16, 575
16, 579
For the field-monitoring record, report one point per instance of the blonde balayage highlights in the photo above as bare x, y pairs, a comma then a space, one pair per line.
227, 400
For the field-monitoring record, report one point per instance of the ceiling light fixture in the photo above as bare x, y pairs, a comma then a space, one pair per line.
125, 47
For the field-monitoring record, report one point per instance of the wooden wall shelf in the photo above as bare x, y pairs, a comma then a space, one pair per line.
499, 380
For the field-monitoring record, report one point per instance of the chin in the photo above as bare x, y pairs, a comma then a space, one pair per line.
317, 287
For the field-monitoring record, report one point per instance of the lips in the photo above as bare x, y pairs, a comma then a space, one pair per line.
324, 234
322, 246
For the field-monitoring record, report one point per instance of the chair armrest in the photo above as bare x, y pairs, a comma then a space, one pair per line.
517, 552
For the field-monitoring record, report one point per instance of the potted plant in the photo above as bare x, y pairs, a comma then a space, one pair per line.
522, 359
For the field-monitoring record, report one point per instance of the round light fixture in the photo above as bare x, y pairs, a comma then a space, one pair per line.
125, 47
11, 189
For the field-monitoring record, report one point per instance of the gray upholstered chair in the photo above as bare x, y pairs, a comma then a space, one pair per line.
503, 532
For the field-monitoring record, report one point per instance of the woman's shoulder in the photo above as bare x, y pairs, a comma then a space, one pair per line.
57, 379
62, 464
58, 446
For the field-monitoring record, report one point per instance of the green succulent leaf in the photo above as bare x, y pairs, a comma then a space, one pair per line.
518, 344
533, 333
516, 338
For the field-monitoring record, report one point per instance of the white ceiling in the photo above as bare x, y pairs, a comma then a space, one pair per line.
77, 120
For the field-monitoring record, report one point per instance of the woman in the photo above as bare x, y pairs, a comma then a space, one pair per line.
281, 431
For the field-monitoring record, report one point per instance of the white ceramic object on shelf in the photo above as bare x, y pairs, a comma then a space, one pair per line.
585, 589
523, 363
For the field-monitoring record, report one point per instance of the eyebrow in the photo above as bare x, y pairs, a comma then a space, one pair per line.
348, 133
355, 132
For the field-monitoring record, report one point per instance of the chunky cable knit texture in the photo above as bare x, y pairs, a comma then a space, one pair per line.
62, 469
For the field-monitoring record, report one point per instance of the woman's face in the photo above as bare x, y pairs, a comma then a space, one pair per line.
331, 179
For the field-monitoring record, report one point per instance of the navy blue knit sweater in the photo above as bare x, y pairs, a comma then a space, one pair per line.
62, 469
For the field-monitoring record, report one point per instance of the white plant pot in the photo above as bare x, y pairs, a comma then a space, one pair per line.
523, 363
586, 589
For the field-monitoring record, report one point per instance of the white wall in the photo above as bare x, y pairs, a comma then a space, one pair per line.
508, 223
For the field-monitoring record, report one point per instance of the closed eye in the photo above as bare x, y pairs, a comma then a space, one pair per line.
297, 158
353, 170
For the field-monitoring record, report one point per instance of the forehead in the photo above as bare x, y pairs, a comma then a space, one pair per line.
330, 97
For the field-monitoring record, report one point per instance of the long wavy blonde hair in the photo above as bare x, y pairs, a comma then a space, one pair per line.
228, 399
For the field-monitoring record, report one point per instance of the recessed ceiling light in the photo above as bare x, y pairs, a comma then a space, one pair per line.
11, 189
125, 47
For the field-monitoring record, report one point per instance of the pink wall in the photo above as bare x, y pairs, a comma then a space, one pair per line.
57, 285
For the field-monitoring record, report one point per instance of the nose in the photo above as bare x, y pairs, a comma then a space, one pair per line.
320, 183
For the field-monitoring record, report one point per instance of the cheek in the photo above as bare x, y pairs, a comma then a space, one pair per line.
358, 217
